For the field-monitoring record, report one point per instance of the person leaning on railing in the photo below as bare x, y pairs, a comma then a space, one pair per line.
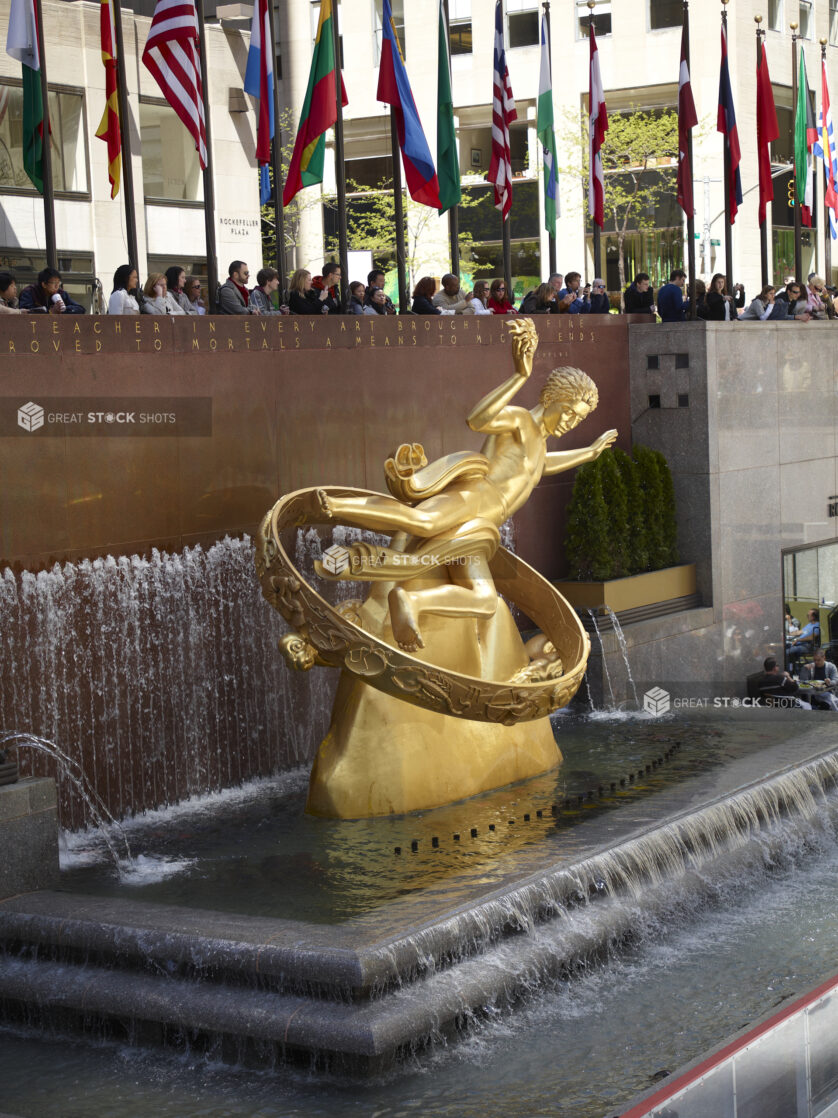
267, 282
760, 308
158, 299
47, 296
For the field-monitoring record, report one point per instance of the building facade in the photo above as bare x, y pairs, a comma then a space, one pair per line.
639, 44
168, 183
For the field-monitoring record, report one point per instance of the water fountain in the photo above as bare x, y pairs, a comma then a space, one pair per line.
353, 943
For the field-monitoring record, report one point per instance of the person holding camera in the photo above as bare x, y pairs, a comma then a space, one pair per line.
576, 302
721, 307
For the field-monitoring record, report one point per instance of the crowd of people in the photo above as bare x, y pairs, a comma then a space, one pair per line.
176, 293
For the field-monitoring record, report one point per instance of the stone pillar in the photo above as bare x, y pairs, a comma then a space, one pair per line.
28, 836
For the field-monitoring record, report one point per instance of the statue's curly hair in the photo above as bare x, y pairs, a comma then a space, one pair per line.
567, 386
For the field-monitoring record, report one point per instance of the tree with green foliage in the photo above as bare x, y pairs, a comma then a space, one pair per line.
639, 158
371, 226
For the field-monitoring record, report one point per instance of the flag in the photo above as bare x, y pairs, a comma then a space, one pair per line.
22, 44
726, 124
172, 57
687, 120
598, 126
319, 111
824, 149
547, 135
805, 134
503, 113
447, 158
767, 130
259, 83
108, 129
394, 90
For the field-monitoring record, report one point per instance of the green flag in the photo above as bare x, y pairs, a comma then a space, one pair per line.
22, 44
447, 159
801, 148
546, 133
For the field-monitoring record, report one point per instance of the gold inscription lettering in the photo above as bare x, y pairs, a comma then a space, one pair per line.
97, 327
230, 343
386, 340
297, 343
35, 345
247, 327
196, 344
98, 346
137, 327
117, 327
12, 347
76, 328
265, 344
296, 327
328, 343
156, 326
158, 343
56, 343
213, 342
78, 345
401, 340
139, 342
55, 326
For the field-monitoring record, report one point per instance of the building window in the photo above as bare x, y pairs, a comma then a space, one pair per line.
775, 15
171, 171
601, 17
806, 21
459, 26
397, 8
68, 148
665, 13
523, 23
833, 22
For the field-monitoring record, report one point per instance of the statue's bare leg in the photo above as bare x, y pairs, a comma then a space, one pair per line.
471, 593
387, 514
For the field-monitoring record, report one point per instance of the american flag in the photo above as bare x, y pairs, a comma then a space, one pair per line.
598, 127
503, 113
172, 55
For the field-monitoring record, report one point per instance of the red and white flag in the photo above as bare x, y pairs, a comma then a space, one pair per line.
172, 56
598, 128
687, 120
503, 113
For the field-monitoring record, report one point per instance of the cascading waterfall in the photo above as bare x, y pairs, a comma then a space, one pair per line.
159, 676
621, 637
592, 615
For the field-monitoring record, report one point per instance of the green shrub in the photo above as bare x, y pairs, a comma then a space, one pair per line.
588, 542
621, 516
637, 557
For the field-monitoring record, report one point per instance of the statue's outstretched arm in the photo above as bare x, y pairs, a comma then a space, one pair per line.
560, 460
487, 416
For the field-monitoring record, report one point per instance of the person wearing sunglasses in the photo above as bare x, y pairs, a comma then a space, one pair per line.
498, 301
814, 297
600, 303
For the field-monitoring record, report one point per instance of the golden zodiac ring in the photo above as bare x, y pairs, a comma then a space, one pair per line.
327, 637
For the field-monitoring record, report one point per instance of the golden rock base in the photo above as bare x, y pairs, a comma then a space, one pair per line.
384, 756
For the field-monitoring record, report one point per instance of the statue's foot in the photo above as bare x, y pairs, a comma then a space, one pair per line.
405, 626
325, 504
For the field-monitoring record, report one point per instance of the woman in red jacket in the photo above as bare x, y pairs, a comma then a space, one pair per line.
498, 302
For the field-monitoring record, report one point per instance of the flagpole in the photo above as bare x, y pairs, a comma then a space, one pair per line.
453, 213
49, 194
398, 208
827, 227
276, 164
551, 237
596, 228
691, 214
798, 248
125, 142
763, 229
340, 166
209, 186
728, 226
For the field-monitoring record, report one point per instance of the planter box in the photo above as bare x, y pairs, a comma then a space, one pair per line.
635, 592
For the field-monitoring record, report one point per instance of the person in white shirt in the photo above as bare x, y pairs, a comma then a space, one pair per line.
123, 298
480, 299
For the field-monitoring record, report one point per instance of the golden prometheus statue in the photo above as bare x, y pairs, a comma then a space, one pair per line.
439, 698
